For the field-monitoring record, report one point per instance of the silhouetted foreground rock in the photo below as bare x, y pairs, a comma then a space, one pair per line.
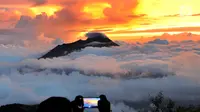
94, 40
18, 108
55, 104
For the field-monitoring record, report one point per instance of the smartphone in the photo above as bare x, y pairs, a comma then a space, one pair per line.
91, 102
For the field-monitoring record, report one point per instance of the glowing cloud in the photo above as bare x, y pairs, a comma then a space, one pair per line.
49, 10
96, 9
68, 19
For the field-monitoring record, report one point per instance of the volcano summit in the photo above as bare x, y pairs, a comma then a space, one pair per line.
93, 40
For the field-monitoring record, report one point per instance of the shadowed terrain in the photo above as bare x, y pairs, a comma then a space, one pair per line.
93, 40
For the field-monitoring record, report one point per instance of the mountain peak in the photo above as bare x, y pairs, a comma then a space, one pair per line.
94, 40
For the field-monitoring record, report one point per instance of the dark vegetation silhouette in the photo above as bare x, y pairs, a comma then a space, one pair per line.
160, 103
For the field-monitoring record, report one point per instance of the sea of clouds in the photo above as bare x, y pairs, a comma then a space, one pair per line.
130, 72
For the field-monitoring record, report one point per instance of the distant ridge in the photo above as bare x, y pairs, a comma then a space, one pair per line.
93, 40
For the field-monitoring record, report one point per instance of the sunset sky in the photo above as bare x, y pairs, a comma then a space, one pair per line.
119, 19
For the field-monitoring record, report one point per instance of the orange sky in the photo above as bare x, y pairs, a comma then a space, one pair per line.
120, 20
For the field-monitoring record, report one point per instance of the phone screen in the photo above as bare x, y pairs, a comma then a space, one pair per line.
91, 102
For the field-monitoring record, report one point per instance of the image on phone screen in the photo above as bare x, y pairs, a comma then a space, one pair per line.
91, 102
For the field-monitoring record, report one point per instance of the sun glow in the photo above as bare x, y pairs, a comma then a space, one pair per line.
96, 9
49, 10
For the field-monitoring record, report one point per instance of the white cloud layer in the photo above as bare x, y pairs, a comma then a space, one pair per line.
137, 70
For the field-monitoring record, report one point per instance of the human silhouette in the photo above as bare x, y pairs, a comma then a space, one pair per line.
77, 104
55, 104
103, 104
